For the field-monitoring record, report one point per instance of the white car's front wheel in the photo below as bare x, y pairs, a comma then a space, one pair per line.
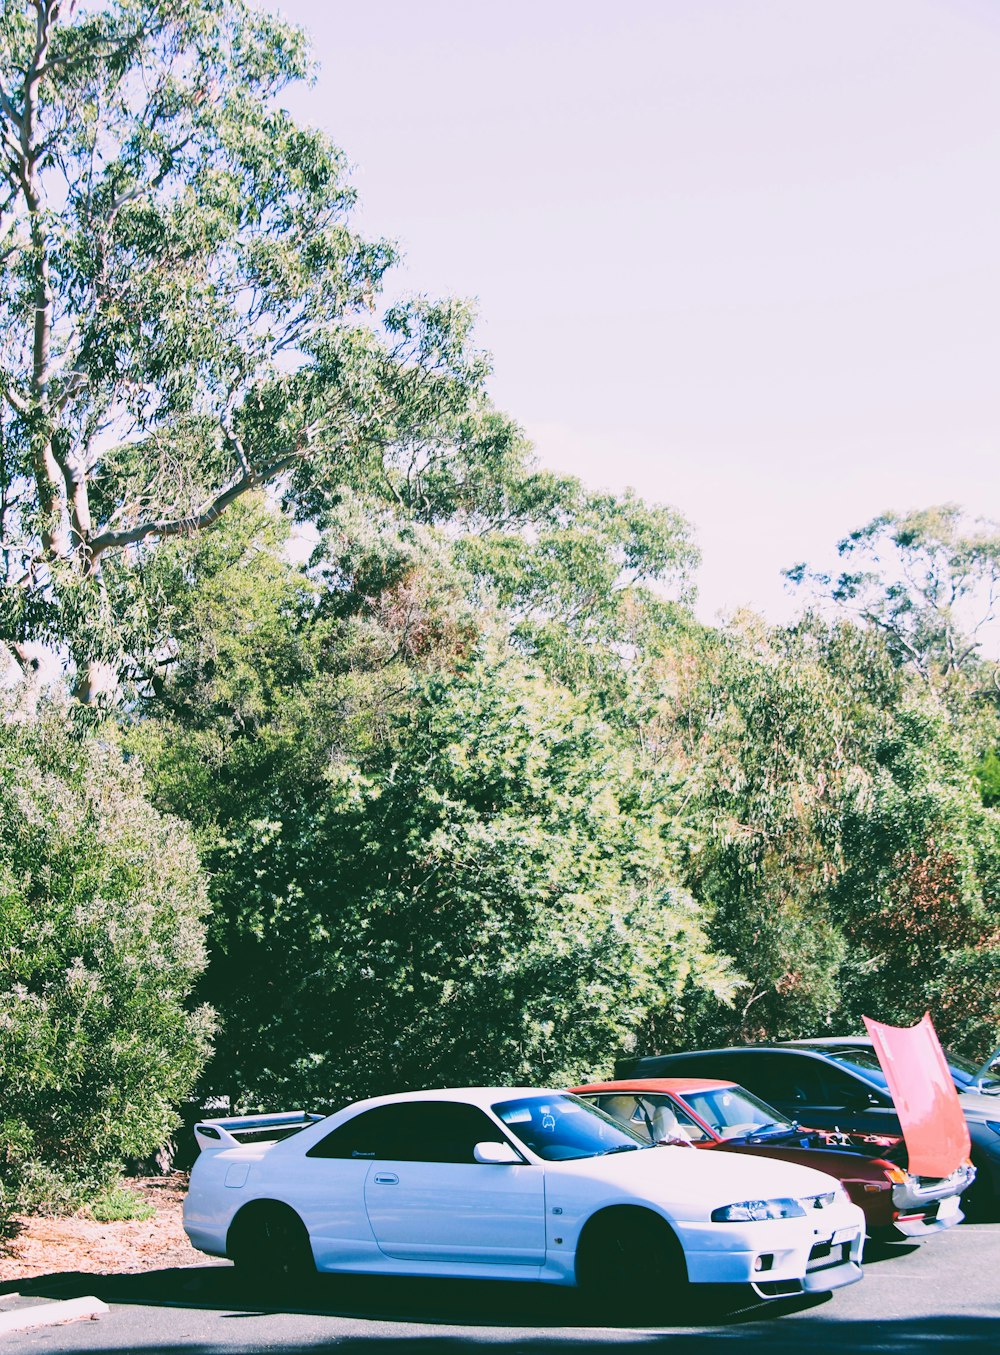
630, 1262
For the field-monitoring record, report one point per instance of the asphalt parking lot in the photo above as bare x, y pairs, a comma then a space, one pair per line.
947, 1290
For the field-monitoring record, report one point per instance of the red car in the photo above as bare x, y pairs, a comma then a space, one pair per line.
716, 1115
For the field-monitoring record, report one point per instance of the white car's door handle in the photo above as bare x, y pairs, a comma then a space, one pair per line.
386, 1179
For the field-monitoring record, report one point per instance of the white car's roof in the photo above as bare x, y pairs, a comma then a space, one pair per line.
661, 1172
474, 1096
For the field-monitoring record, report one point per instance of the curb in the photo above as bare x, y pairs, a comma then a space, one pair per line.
50, 1314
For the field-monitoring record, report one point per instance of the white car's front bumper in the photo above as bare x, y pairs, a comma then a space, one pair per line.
778, 1256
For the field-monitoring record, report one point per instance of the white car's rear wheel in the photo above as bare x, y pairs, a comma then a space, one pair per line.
269, 1246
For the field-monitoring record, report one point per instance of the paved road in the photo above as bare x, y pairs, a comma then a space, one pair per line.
910, 1299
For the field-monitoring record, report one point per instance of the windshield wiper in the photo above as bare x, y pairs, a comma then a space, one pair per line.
766, 1130
624, 1148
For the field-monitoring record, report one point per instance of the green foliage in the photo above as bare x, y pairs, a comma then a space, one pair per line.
768, 734
788, 779
927, 580
920, 895
837, 842
118, 1204
101, 908
585, 579
428, 859
486, 898
190, 317
965, 996
987, 773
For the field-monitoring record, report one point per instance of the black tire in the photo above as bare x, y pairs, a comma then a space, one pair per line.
269, 1247
631, 1266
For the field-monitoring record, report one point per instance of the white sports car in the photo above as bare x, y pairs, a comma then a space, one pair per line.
512, 1184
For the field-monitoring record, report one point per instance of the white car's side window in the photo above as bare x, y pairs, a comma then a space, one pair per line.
416, 1131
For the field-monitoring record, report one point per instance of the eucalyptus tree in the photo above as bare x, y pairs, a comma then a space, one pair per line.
587, 580
839, 843
928, 580
189, 316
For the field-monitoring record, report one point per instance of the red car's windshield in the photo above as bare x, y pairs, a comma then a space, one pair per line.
733, 1113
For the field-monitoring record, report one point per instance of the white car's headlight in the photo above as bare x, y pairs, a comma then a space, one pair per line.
837, 1196
750, 1211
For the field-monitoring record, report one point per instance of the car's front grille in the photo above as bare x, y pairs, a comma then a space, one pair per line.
825, 1254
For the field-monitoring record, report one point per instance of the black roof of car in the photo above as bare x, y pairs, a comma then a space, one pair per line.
833, 1041
779, 1046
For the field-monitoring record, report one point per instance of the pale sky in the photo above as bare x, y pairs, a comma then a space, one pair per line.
743, 255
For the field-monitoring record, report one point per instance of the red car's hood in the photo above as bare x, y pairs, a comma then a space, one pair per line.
930, 1114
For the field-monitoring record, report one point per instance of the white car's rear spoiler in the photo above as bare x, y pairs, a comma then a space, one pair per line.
235, 1129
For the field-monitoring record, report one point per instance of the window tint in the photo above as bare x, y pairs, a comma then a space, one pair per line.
746, 1069
846, 1087
783, 1078
966, 1073
562, 1127
789, 1080
862, 1061
412, 1131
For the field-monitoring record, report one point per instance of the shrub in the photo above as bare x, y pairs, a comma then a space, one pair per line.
118, 1204
101, 934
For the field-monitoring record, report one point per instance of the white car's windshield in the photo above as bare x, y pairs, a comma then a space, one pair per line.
562, 1127
734, 1113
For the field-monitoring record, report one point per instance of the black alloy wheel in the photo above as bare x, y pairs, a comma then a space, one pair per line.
632, 1266
271, 1249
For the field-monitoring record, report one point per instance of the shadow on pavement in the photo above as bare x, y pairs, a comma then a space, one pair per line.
818, 1335
486, 1303
450, 1317
877, 1250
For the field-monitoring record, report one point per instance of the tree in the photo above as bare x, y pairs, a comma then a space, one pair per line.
189, 317
919, 895
584, 579
987, 772
771, 725
428, 858
839, 847
928, 580
102, 904
489, 900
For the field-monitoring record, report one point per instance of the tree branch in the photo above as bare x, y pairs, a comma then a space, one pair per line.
17, 402
9, 111
195, 522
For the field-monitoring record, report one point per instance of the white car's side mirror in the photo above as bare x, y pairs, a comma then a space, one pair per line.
497, 1154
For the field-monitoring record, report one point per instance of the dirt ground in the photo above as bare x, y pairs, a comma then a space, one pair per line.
48, 1246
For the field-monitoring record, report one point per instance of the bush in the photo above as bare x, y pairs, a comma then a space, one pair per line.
486, 899
101, 930
118, 1204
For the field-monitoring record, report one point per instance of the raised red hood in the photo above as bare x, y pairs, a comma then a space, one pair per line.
930, 1114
